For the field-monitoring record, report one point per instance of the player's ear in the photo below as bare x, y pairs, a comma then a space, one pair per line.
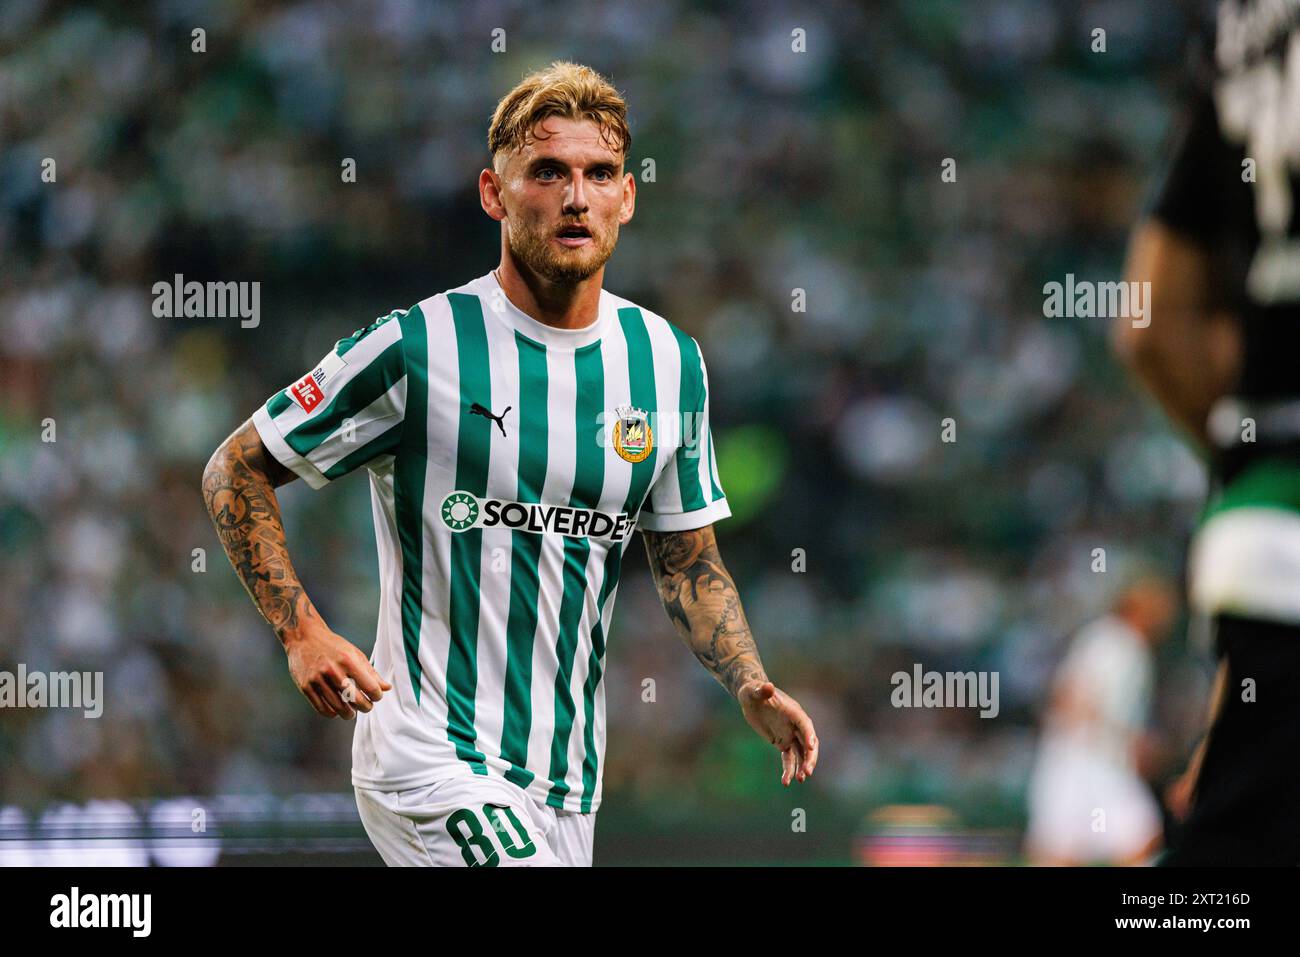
489, 194
629, 199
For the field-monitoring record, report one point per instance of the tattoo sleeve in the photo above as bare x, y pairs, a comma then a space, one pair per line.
239, 490
701, 600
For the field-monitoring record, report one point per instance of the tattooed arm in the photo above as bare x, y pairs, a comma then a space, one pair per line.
239, 485
701, 599
239, 488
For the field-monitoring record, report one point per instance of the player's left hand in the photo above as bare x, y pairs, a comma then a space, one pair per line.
778, 718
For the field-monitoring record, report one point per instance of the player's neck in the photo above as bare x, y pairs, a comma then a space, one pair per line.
562, 305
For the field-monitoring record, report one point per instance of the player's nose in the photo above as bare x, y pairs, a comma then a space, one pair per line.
576, 199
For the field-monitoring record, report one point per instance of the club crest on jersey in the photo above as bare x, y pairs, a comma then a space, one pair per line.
460, 511
633, 439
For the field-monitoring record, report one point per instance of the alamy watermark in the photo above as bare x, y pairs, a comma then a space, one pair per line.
53, 689
684, 429
946, 689
1083, 299
132, 912
208, 300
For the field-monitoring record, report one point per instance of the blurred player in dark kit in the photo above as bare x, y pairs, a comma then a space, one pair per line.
1219, 246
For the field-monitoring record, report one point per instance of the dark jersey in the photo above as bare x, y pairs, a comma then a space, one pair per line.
1231, 182
1231, 185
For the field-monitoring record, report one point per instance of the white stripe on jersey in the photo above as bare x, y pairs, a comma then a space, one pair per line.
443, 418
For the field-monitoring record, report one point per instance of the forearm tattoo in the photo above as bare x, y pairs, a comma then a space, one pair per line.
239, 490
701, 600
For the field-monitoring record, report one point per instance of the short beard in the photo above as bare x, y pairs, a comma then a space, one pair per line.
534, 251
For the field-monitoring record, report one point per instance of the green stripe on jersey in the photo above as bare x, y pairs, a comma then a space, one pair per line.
382, 444
525, 556
708, 450
473, 445
595, 668
588, 483
708, 435
278, 403
690, 402
641, 380
408, 487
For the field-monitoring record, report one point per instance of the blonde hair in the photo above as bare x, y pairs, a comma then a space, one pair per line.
568, 90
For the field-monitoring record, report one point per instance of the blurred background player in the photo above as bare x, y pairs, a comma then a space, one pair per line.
1088, 802
1219, 248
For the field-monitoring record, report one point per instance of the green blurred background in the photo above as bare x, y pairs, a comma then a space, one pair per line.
774, 170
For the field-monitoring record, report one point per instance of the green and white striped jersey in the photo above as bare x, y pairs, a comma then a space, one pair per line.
509, 462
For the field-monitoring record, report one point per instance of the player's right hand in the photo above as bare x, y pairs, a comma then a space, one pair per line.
333, 674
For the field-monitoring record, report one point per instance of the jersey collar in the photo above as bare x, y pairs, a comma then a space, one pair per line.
496, 303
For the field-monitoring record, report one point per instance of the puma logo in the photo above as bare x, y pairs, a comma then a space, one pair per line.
477, 409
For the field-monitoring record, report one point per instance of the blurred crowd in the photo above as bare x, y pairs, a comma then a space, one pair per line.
862, 539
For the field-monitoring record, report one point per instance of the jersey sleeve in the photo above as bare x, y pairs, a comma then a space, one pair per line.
688, 493
346, 412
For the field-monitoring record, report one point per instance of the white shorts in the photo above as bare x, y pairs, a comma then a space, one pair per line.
1085, 809
478, 822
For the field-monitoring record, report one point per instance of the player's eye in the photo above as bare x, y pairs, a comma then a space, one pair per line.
546, 172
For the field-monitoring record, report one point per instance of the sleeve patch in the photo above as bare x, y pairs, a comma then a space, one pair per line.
309, 391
